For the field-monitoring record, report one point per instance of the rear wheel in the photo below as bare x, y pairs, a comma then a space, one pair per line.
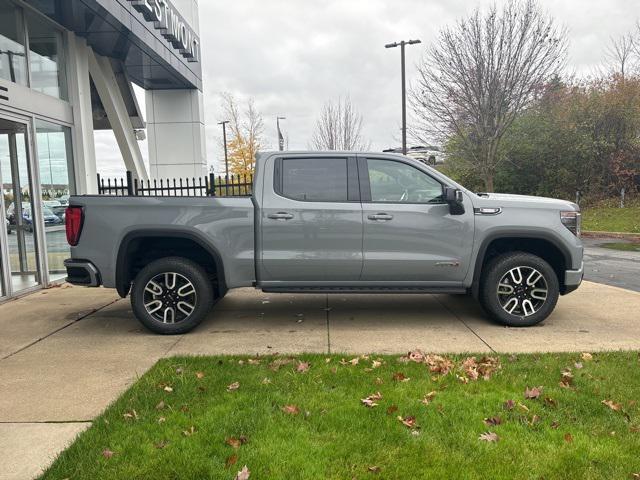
172, 295
519, 289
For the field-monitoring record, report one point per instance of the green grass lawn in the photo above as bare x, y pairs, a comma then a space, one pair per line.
207, 417
609, 217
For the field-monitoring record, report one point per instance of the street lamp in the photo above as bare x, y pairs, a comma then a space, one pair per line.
404, 88
280, 136
224, 139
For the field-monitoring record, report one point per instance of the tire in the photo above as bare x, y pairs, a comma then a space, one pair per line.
187, 301
519, 289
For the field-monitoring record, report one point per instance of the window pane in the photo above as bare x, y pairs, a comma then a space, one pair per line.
315, 180
13, 58
55, 160
46, 57
398, 182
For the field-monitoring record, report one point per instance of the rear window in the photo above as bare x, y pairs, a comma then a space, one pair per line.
315, 179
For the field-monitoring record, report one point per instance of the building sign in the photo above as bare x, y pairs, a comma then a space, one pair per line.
172, 26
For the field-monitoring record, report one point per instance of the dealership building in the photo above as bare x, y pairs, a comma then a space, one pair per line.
66, 70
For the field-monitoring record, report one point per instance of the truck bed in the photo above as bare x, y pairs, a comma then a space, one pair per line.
224, 224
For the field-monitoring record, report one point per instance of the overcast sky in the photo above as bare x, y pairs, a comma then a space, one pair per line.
291, 56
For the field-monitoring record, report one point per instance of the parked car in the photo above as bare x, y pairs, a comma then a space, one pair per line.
50, 218
64, 200
329, 223
56, 207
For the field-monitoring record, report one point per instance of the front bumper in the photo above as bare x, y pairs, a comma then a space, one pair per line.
573, 279
82, 273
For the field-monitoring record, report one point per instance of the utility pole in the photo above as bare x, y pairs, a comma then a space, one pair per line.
404, 87
224, 139
280, 136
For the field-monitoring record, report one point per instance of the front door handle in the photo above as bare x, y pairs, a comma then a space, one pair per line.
382, 217
281, 216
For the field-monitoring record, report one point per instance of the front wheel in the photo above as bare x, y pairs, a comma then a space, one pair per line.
519, 289
172, 295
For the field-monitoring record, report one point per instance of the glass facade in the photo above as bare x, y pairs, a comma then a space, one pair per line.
13, 55
46, 57
55, 163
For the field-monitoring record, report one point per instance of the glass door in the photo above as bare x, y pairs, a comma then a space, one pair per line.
19, 249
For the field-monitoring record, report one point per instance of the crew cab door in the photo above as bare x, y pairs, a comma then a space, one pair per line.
311, 221
409, 233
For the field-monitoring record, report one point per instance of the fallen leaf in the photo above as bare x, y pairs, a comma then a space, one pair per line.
160, 406
168, 389
376, 364
378, 381
233, 442
578, 365
416, 356
106, 453
428, 398
509, 405
179, 371
492, 421
392, 409
568, 437
243, 474
291, 409
371, 400
612, 405
566, 380
162, 420
400, 377
535, 419
354, 361
489, 437
532, 393
279, 362
233, 387
303, 367
409, 422
374, 469
199, 375
555, 424
266, 381
586, 357
523, 407
439, 364
161, 444
189, 432
231, 460
132, 414
550, 402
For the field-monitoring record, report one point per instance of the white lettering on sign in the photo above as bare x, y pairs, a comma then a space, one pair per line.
171, 25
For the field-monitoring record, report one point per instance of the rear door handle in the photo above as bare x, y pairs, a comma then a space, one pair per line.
382, 217
281, 216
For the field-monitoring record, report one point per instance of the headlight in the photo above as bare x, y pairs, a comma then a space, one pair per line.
573, 221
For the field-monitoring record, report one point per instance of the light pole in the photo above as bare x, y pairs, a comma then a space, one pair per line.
224, 139
404, 87
280, 136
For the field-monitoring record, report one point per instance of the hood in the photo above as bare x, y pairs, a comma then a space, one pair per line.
527, 201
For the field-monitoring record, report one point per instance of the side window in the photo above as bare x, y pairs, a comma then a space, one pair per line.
397, 182
314, 179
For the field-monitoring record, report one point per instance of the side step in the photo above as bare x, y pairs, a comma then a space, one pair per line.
433, 290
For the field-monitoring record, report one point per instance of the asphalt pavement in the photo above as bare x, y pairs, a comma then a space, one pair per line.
611, 267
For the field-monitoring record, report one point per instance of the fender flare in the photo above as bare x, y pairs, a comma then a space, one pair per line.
514, 235
123, 282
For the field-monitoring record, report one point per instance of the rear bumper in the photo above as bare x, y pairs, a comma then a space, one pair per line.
82, 273
573, 279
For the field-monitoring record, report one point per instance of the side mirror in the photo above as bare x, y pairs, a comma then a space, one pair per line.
454, 198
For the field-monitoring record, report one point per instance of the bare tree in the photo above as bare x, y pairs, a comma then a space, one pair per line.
621, 54
339, 127
481, 74
246, 129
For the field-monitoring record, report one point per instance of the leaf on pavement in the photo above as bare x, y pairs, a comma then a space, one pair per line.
291, 409
489, 437
243, 474
532, 393
233, 387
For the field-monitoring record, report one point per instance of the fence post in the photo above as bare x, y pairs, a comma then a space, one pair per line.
212, 184
622, 197
129, 183
99, 185
577, 197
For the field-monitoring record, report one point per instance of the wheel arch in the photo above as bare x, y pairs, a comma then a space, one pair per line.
541, 244
131, 240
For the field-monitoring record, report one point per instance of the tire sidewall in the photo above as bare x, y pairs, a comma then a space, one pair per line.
498, 268
190, 270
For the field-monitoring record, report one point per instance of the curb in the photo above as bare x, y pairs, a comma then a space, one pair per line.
623, 235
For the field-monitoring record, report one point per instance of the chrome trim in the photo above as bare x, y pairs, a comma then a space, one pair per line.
487, 211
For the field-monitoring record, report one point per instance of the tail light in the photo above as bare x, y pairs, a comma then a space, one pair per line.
74, 219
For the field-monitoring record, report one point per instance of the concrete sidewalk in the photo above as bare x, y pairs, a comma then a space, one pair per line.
65, 354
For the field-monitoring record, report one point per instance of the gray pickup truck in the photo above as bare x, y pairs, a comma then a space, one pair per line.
330, 222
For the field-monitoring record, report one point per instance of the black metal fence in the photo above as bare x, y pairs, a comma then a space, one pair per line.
208, 186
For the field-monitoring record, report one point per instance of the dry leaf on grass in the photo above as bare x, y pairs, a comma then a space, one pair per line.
236, 442
189, 432
371, 400
489, 437
566, 380
400, 377
303, 367
612, 405
106, 453
492, 421
376, 364
428, 398
568, 437
231, 460
161, 444
132, 414
392, 409
291, 409
409, 422
509, 405
586, 357
374, 469
243, 474
233, 387
199, 375
161, 405
533, 393
168, 389
439, 364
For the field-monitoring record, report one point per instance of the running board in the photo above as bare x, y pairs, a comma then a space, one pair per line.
447, 290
